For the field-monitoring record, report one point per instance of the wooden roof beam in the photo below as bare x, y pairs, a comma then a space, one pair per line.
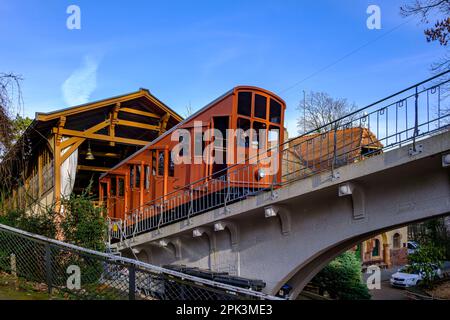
137, 125
94, 129
92, 168
140, 113
102, 137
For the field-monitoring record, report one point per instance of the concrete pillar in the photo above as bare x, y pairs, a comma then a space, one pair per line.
387, 255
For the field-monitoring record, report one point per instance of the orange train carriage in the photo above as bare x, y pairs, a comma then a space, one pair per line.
149, 181
148, 189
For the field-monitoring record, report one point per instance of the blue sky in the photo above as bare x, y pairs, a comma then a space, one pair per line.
190, 52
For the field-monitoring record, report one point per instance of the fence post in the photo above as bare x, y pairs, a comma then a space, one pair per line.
13, 265
416, 119
48, 267
334, 163
132, 282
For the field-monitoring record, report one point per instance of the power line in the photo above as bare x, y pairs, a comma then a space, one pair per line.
345, 56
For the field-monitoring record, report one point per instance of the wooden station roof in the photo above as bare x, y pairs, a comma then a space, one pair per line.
133, 119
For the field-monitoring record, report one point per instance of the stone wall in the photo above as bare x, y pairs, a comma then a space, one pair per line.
399, 257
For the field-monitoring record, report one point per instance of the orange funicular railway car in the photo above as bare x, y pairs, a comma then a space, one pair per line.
226, 150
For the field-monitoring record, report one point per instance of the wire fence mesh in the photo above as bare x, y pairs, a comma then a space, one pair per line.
73, 272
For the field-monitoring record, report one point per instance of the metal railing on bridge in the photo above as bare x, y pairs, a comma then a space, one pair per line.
402, 118
72, 272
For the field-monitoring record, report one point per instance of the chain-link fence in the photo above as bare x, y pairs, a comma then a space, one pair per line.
73, 272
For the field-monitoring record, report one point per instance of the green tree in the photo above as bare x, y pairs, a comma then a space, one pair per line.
19, 125
421, 261
341, 278
433, 232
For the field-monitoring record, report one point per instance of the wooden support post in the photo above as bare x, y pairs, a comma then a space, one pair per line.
113, 121
163, 123
57, 172
57, 161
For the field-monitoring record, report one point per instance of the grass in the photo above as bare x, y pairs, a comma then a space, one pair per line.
12, 288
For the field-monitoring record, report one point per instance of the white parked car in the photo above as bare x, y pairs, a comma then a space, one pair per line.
409, 277
412, 247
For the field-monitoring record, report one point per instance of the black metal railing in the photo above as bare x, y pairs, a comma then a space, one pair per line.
72, 272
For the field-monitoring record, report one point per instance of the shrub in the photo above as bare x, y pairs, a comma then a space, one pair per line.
40, 223
83, 224
341, 278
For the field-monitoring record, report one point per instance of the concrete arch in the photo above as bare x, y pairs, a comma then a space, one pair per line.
233, 230
211, 238
307, 270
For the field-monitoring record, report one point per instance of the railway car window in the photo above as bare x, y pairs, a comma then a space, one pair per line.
131, 176
243, 135
104, 190
274, 134
147, 177
260, 107
199, 144
153, 163
245, 103
180, 140
171, 166
121, 187
138, 176
259, 135
113, 186
275, 111
161, 163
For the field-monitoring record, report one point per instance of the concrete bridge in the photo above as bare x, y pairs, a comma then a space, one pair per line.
289, 235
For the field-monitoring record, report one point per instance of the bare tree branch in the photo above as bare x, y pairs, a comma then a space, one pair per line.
319, 109
10, 104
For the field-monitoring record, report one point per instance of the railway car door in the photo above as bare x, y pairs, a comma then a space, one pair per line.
134, 187
119, 207
112, 196
160, 174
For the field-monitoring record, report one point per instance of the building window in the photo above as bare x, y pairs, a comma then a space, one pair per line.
376, 248
396, 241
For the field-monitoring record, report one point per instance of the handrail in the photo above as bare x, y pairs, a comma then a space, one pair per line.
142, 265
